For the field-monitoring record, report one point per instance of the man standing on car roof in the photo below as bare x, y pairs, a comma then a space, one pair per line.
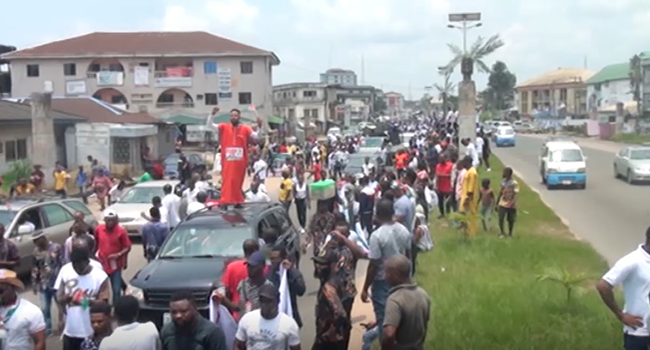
234, 139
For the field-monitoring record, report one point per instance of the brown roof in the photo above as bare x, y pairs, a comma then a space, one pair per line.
17, 111
138, 43
91, 110
559, 76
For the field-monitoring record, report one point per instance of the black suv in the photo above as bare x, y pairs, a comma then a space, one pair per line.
194, 255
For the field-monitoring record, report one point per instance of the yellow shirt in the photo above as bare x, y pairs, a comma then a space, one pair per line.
291, 149
469, 185
286, 189
27, 189
60, 178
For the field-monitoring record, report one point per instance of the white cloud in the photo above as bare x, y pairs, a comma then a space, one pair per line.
226, 17
178, 19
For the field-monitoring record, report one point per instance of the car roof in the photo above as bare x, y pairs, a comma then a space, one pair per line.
562, 145
217, 216
157, 183
17, 204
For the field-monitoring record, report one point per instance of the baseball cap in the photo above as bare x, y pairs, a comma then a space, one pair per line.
256, 259
110, 213
326, 256
269, 291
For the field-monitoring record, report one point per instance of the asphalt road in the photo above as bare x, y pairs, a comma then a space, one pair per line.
610, 214
306, 303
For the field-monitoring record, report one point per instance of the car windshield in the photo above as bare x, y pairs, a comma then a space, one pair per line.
6, 216
566, 155
356, 161
506, 131
172, 159
373, 142
141, 195
203, 241
641, 154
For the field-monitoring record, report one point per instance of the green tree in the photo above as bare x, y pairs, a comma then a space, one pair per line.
636, 81
5, 77
501, 86
446, 89
475, 56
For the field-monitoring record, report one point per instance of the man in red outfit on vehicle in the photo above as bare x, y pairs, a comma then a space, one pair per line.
234, 139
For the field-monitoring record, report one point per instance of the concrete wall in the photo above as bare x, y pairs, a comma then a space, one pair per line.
258, 83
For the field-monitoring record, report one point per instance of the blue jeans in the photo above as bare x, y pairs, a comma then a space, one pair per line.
369, 337
632, 342
379, 290
116, 284
46, 296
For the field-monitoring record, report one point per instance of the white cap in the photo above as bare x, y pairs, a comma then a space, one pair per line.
110, 213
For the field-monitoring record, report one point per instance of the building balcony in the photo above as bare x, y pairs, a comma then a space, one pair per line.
106, 78
174, 77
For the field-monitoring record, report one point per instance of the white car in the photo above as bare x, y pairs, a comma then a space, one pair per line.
562, 163
136, 200
633, 164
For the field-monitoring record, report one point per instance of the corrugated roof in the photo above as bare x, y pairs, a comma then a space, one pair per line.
17, 111
618, 71
559, 76
138, 43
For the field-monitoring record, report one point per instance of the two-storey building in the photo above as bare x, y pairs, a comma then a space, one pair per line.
166, 74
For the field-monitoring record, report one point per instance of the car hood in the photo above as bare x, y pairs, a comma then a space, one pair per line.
195, 273
644, 163
129, 211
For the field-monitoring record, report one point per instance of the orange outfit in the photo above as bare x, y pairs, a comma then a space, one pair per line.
234, 160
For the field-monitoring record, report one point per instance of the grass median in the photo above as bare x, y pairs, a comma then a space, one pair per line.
486, 293
632, 138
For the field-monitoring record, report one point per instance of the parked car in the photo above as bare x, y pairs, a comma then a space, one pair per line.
562, 163
53, 215
194, 255
633, 164
197, 164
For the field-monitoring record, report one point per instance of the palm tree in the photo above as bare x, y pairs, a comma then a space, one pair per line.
475, 56
636, 81
446, 89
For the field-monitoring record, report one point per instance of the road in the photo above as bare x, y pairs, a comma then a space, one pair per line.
306, 304
610, 214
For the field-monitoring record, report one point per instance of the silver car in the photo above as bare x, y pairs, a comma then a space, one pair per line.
633, 164
136, 200
21, 216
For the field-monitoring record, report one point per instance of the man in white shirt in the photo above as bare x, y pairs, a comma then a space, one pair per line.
197, 205
633, 273
267, 327
470, 151
259, 169
23, 322
255, 194
368, 167
171, 203
479, 143
130, 334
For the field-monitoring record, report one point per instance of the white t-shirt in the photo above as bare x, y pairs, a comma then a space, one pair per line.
633, 273
367, 168
470, 150
259, 197
259, 168
172, 204
25, 321
479, 145
193, 207
77, 323
261, 334
134, 336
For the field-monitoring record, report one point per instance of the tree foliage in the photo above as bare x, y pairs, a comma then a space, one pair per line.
478, 52
636, 81
5, 77
500, 93
446, 89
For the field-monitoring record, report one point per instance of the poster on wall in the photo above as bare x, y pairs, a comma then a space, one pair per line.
141, 76
75, 87
225, 83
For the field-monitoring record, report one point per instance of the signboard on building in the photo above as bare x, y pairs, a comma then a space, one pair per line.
110, 78
225, 83
75, 87
169, 82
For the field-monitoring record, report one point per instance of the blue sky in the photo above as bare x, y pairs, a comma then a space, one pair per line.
402, 41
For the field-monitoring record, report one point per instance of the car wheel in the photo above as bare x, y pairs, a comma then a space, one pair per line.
616, 174
548, 186
543, 177
582, 186
629, 177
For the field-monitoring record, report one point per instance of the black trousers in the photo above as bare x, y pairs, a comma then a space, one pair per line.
509, 214
72, 343
366, 222
301, 209
633, 342
444, 202
342, 345
347, 306
486, 159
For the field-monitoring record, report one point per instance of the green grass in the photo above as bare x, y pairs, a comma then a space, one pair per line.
631, 138
485, 294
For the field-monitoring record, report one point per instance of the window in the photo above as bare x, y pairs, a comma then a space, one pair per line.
21, 149
1, 148
309, 93
211, 99
294, 94
95, 67
563, 95
314, 113
78, 206
166, 98
115, 67
69, 69
121, 150
56, 215
143, 64
15, 150
246, 67
33, 70
118, 99
245, 98
210, 67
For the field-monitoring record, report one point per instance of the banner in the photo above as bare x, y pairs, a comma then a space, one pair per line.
141, 76
220, 315
110, 78
285, 296
75, 87
225, 83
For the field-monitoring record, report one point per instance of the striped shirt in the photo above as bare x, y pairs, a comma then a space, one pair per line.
249, 293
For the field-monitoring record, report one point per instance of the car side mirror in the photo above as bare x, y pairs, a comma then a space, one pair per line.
25, 229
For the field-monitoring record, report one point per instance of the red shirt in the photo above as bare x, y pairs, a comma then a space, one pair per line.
316, 169
235, 272
111, 243
444, 182
401, 160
